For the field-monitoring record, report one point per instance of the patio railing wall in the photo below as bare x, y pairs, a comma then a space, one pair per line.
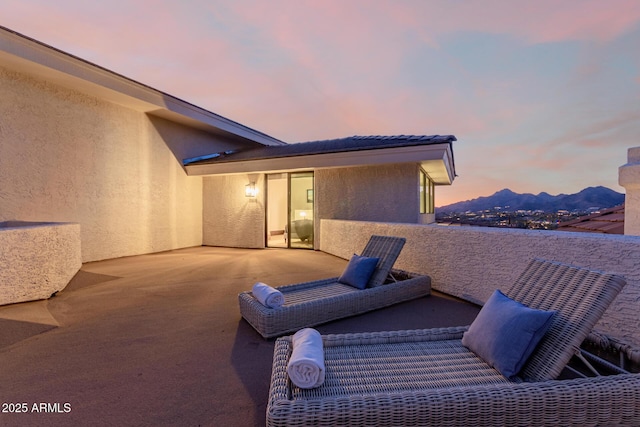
37, 259
471, 262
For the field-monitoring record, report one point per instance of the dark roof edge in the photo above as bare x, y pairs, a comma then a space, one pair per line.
388, 137
274, 152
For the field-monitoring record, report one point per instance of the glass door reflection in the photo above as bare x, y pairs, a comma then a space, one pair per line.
300, 230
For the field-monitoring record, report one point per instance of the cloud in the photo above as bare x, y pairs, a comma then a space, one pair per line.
541, 21
583, 20
533, 90
598, 132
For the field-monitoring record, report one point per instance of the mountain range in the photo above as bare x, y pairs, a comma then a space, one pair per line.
507, 200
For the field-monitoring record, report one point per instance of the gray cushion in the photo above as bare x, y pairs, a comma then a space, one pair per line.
358, 271
505, 333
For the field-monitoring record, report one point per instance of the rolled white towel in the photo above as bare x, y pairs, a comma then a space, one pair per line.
267, 295
306, 365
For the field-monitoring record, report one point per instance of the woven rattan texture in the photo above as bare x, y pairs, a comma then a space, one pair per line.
317, 302
580, 297
387, 248
310, 294
399, 367
313, 303
426, 378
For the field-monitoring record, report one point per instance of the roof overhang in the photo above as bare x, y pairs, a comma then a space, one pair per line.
25, 55
435, 159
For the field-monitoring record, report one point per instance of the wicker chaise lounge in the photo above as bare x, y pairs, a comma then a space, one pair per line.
428, 378
313, 303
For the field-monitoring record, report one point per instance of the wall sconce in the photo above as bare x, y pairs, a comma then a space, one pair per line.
250, 190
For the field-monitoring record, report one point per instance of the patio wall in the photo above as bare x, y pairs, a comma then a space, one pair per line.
471, 262
369, 193
230, 218
36, 259
69, 157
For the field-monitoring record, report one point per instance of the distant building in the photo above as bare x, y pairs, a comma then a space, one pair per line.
629, 178
608, 221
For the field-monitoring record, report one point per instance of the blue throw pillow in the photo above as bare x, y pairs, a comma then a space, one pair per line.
505, 333
358, 271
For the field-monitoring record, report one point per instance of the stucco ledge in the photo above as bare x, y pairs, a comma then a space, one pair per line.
37, 259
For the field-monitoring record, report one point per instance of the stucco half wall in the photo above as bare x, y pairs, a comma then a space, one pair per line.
69, 157
37, 259
471, 262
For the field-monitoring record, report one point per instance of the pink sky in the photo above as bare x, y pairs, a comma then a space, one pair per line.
542, 96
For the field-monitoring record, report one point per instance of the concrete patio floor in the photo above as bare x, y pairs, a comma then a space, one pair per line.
158, 339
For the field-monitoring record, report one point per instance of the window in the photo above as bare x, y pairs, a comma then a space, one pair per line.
427, 192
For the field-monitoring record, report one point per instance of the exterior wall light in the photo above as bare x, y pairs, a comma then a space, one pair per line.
250, 190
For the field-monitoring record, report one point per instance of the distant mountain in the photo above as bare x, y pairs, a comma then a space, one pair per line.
507, 200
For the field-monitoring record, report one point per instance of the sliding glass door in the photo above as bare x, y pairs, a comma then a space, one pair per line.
290, 221
277, 210
301, 210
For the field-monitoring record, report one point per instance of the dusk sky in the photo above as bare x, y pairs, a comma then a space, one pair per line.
542, 95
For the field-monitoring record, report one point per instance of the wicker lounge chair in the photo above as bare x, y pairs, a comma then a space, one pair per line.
312, 303
428, 378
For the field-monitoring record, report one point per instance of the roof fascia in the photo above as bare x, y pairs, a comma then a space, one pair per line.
27, 55
437, 160
441, 171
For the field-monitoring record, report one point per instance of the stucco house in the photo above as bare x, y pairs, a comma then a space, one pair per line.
375, 178
142, 171
138, 171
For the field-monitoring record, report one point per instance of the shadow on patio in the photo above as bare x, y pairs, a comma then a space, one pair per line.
158, 339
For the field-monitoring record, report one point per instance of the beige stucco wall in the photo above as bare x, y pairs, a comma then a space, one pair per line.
185, 142
369, 193
69, 157
230, 218
471, 262
37, 259
387, 193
